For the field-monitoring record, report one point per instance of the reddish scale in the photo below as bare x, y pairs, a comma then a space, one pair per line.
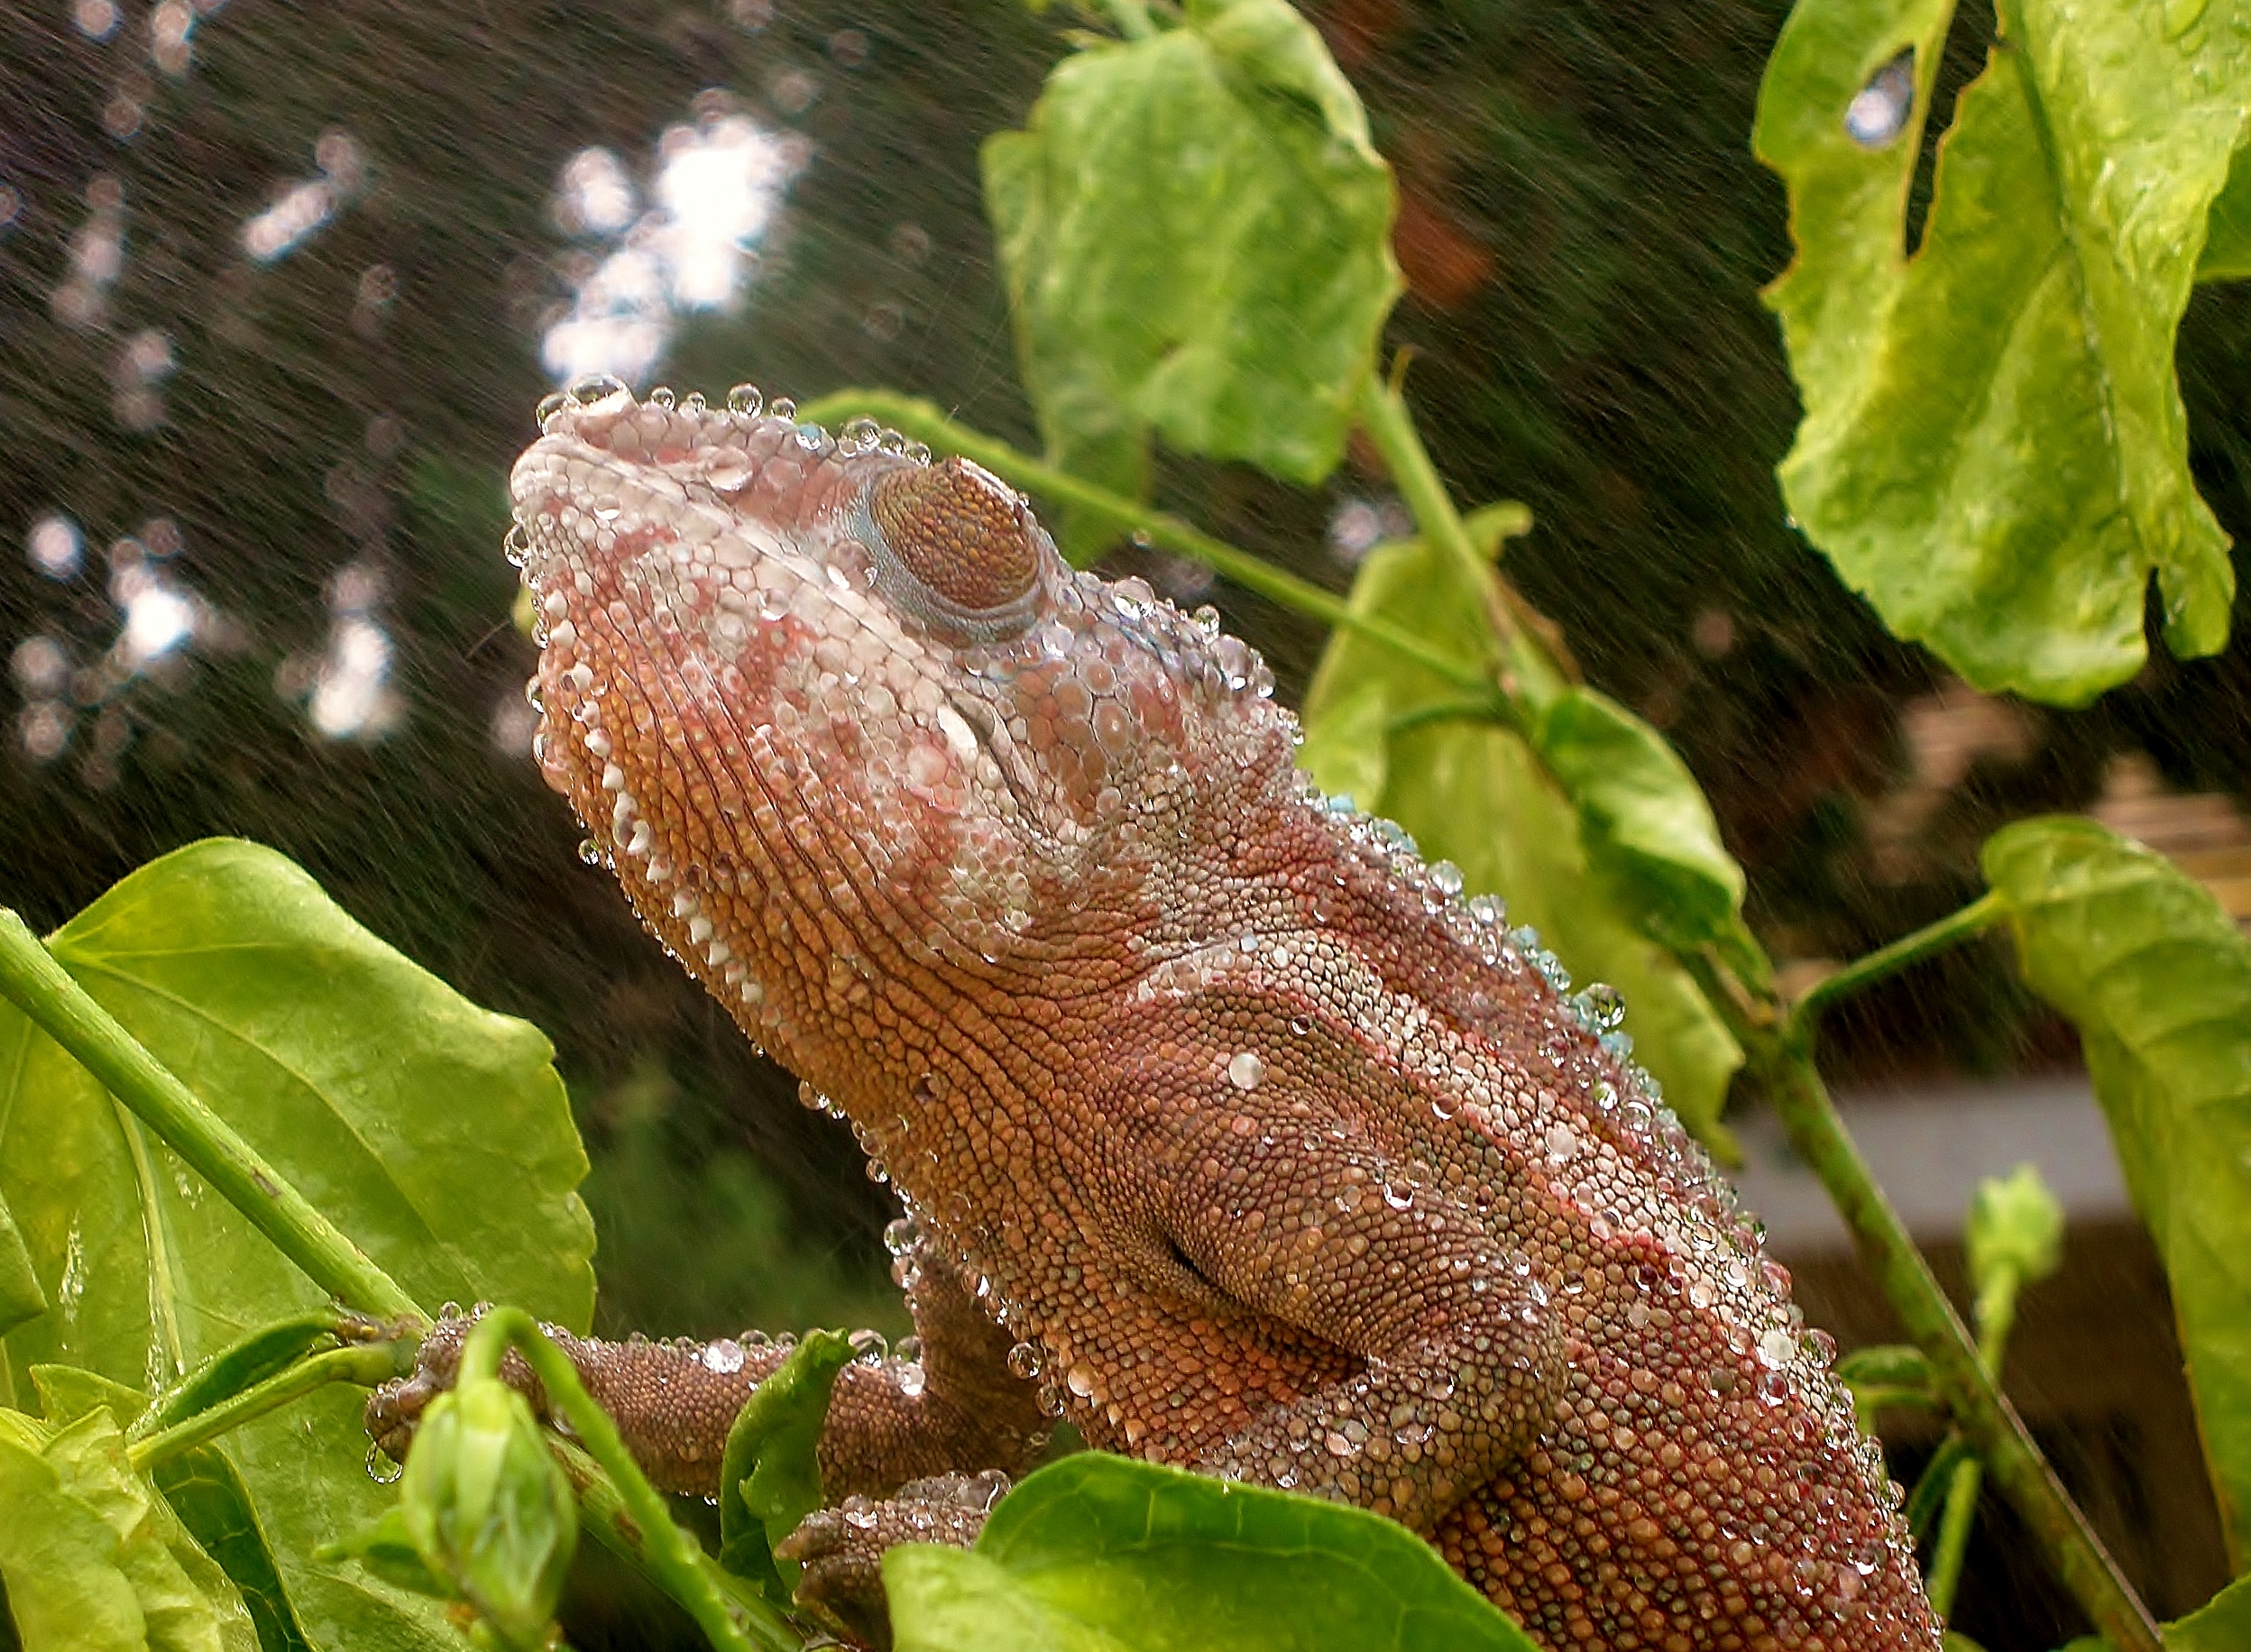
1279, 1162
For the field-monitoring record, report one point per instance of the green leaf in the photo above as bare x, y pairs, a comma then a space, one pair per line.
1101, 1553
207, 1493
387, 1548
1196, 235
769, 1478
1892, 1374
2157, 979
1584, 872
95, 1559
2222, 1624
21, 1298
204, 1492
67, 1394
434, 1132
2227, 255
1994, 449
1644, 820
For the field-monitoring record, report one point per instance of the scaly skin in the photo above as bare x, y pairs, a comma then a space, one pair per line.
1271, 1155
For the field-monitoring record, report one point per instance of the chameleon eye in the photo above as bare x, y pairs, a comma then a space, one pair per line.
966, 541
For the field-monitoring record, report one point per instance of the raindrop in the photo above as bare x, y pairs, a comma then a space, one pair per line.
746, 400
1247, 1070
723, 1357
380, 1467
590, 388
1024, 1360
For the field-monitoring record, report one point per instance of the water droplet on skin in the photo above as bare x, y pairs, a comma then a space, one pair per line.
911, 1380
588, 388
1879, 111
1560, 1143
1079, 1380
723, 1357
1247, 1070
1024, 1360
744, 399
1448, 877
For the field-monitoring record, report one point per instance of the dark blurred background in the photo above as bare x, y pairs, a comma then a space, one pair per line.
279, 284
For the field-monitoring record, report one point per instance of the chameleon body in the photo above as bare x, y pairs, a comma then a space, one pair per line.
1226, 1127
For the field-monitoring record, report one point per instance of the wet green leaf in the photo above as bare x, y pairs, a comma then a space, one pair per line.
2157, 979
769, 1478
204, 1490
2227, 232
387, 1549
2222, 1624
1098, 1552
1195, 231
1994, 449
435, 1133
1644, 820
21, 1298
1595, 874
95, 1560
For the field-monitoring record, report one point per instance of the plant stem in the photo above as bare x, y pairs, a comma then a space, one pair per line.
1975, 919
678, 1564
365, 1364
1984, 1415
1529, 643
1383, 415
1997, 1315
43, 990
921, 420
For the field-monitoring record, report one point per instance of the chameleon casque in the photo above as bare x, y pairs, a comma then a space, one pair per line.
1226, 1127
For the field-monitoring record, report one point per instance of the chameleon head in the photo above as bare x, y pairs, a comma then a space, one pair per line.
818, 694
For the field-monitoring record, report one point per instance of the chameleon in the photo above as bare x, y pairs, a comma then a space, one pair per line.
1226, 1126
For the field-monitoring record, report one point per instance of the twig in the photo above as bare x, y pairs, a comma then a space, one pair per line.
43, 990
1973, 920
1980, 1410
365, 1364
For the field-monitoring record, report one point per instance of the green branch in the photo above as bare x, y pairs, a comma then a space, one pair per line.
921, 419
1529, 643
365, 1364
1973, 920
1980, 1410
731, 1620
62, 1009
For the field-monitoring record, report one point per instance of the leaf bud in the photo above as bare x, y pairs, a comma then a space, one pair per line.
487, 1508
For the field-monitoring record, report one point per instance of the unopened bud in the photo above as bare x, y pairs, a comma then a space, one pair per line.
488, 1509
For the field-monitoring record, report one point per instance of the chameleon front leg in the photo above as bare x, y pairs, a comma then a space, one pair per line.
891, 1421
1268, 1175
